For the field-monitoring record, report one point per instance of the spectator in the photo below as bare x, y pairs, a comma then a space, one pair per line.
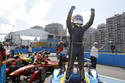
59, 48
29, 50
112, 48
62, 57
94, 54
7, 48
50, 45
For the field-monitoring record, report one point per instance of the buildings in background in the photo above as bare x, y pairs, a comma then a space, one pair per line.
111, 33
100, 35
52, 34
25, 37
58, 30
115, 27
2, 36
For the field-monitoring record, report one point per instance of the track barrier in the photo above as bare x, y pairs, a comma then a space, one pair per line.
106, 59
3, 74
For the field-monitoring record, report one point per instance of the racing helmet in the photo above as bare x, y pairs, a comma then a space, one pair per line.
38, 56
77, 19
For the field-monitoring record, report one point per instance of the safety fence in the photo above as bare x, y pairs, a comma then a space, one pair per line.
106, 59
3, 74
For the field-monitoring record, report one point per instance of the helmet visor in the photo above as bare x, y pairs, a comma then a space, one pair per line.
77, 20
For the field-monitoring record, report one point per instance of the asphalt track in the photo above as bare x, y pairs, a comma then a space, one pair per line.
107, 79
110, 71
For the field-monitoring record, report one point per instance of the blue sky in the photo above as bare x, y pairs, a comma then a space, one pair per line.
26, 13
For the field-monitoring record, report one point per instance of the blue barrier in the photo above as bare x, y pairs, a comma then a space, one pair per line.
20, 51
53, 50
106, 59
113, 60
109, 59
3, 74
47, 49
86, 54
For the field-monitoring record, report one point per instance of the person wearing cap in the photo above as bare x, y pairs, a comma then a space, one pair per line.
94, 54
61, 53
63, 57
76, 31
59, 48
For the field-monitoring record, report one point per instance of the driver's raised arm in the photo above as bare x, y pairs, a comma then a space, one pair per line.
90, 22
68, 21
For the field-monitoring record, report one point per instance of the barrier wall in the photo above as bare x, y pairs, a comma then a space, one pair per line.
106, 59
109, 59
3, 74
20, 51
34, 50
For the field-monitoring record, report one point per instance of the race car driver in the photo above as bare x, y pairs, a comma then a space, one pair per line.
76, 31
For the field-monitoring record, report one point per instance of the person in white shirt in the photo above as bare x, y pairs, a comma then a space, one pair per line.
94, 54
29, 50
7, 47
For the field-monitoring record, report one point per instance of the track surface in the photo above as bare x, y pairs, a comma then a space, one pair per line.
107, 79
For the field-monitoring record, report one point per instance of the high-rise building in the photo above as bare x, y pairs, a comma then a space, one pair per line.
100, 34
115, 27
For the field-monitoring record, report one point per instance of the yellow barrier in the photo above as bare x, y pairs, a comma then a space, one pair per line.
38, 44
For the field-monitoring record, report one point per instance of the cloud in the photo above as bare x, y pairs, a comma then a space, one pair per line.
38, 12
4, 28
3, 20
27, 12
